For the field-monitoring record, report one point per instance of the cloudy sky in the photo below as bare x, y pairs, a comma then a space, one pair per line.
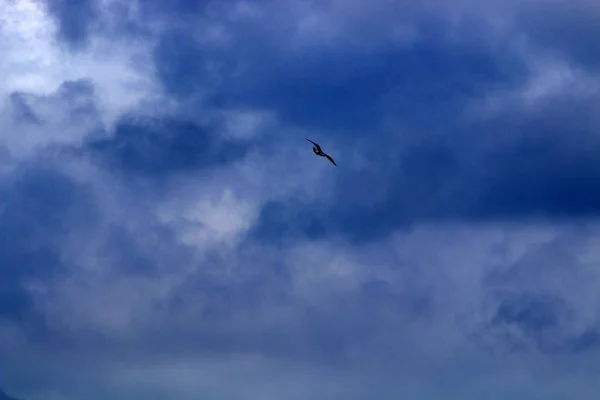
166, 232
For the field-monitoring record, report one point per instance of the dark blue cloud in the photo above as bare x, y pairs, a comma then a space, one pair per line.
443, 175
80, 96
534, 316
124, 254
180, 63
176, 7
517, 166
21, 110
75, 19
4, 396
527, 320
158, 147
343, 87
565, 28
424, 84
41, 208
587, 340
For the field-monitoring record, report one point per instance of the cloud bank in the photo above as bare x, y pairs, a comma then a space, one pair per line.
167, 233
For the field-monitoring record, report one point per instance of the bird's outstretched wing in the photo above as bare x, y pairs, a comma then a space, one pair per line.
316, 145
330, 159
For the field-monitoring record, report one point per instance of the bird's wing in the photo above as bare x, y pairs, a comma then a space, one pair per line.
330, 159
316, 145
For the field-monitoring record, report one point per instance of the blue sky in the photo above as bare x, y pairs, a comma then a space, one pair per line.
167, 233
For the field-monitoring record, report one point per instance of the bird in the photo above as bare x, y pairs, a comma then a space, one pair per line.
317, 150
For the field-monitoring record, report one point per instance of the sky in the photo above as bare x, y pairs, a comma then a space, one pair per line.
166, 232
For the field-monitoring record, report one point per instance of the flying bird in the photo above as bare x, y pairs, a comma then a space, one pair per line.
317, 150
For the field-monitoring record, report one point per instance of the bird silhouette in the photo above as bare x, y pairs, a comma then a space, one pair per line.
317, 150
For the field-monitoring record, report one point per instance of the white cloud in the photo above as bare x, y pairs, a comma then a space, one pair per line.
35, 63
27, 41
246, 124
209, 217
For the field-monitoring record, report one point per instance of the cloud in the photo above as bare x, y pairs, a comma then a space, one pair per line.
167, 233
66, 116
158, 147
521, 163
577, 22
74, 19
38, 65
